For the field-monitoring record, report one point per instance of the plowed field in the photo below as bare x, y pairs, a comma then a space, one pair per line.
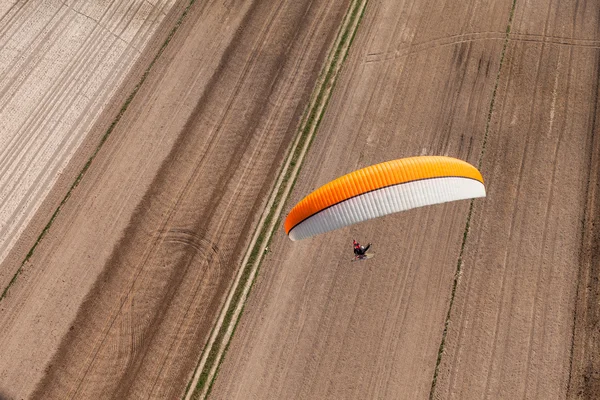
494, 298
61, 62
119, 297
511, 87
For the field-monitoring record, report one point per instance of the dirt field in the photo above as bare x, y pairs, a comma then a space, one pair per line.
60, 64
119, 298
511, 333
421, 82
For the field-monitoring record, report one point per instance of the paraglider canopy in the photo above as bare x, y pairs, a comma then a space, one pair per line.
382, 189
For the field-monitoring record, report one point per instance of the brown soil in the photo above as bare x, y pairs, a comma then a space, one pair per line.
585, 367
421, 82
59, 66
511, 333
317, 325
120, 296
118, 300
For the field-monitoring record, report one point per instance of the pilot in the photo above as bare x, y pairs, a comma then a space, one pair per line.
360, 250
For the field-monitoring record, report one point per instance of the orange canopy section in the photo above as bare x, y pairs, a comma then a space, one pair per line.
376, 177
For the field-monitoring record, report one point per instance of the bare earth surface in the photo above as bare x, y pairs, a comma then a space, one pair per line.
512, 330
60, 63
523, 324
317, 325
118, 299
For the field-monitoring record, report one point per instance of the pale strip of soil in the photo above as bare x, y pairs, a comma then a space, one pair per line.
419, 80
60, 63
510, 332
150, 239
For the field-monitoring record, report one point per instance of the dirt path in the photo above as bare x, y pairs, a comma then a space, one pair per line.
150, 239
60, 63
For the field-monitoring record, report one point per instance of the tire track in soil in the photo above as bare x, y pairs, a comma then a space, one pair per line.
283, 186
415, 48
200, 191
236, 192
162, 181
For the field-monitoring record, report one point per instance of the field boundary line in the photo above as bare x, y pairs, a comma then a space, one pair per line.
224, 328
